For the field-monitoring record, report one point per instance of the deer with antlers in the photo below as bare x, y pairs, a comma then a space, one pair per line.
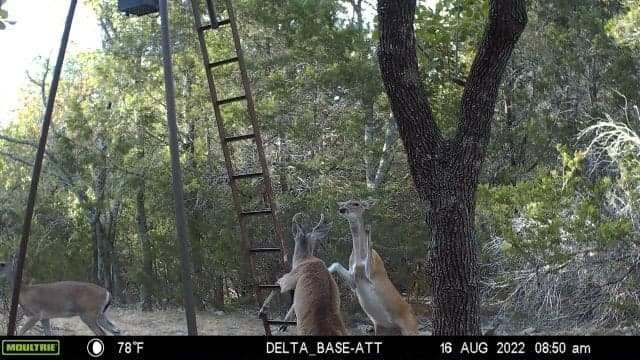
316, 300
367, 277
42, 302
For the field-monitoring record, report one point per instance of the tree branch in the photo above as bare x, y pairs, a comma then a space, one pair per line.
30, 143
401, 77
391, 135
42, 84
399, 64
65, 180
507, 20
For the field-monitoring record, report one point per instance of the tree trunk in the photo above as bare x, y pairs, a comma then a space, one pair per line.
390, 138
113, 270
445, 171
147, 256
218, 291
149, 278
369, 128
454, 262
96, 239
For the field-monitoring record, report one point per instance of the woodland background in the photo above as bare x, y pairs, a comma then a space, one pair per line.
557, 208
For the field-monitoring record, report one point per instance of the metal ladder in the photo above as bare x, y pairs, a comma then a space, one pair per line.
228, 142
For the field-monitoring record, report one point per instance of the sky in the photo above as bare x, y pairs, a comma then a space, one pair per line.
37, 32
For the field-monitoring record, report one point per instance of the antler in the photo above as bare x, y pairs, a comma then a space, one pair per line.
295, 225
296, 217
320, 223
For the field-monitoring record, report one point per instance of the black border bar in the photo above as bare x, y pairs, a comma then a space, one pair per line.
349, 347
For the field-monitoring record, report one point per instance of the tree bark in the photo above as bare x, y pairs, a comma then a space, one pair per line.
114, 272
445, 171
218, 291
147, 256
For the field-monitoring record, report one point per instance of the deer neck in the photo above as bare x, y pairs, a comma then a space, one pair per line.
358, 234
24, 285
299, 254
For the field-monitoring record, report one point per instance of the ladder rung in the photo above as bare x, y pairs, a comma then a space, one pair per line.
239, 137
268, 287
230, 100
223, 62
248, 175
220, 23
265, 249
281, 322
256, 212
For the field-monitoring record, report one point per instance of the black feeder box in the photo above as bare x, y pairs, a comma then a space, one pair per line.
138, 7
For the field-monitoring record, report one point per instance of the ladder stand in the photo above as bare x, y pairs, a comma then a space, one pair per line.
228, 143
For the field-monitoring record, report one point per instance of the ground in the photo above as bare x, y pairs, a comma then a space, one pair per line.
245, 322
173, 322
166, 322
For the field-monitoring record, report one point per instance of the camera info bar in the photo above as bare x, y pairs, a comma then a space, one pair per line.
292, 347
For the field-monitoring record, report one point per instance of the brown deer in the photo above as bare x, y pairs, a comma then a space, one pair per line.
42, 302
316, 301
367, 277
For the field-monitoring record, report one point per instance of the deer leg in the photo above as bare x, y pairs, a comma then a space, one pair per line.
46, 325
106, 324
343, 273
92, 322
387, 330
368, 252
28, 325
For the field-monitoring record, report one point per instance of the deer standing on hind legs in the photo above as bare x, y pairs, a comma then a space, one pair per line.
43, 302
316, 301
367, 277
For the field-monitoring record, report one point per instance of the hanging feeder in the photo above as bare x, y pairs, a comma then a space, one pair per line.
138, 7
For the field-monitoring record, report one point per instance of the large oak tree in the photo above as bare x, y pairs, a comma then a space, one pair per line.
445, 171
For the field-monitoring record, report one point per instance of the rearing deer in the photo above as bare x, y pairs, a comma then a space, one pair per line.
316, 301
61, 299
367, 277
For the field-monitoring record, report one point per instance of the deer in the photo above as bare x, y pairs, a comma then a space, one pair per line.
62, 299
316, 300
367, 277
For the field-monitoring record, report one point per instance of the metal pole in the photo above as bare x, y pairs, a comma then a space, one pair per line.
181, 229
37, 169
213, 17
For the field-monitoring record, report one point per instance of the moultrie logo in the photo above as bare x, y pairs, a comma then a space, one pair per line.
30, 347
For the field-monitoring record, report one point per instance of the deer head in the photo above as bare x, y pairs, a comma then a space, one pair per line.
307, 241
354, 209
7, 268
4, 269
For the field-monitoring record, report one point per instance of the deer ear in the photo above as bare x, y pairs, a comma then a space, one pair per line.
368, 204
13, 258
296, 228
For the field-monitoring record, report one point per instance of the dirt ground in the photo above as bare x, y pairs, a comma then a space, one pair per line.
173, 322
245, 322
165, 322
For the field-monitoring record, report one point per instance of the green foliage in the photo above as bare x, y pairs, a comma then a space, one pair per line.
624, 27
317, 87
544, 220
